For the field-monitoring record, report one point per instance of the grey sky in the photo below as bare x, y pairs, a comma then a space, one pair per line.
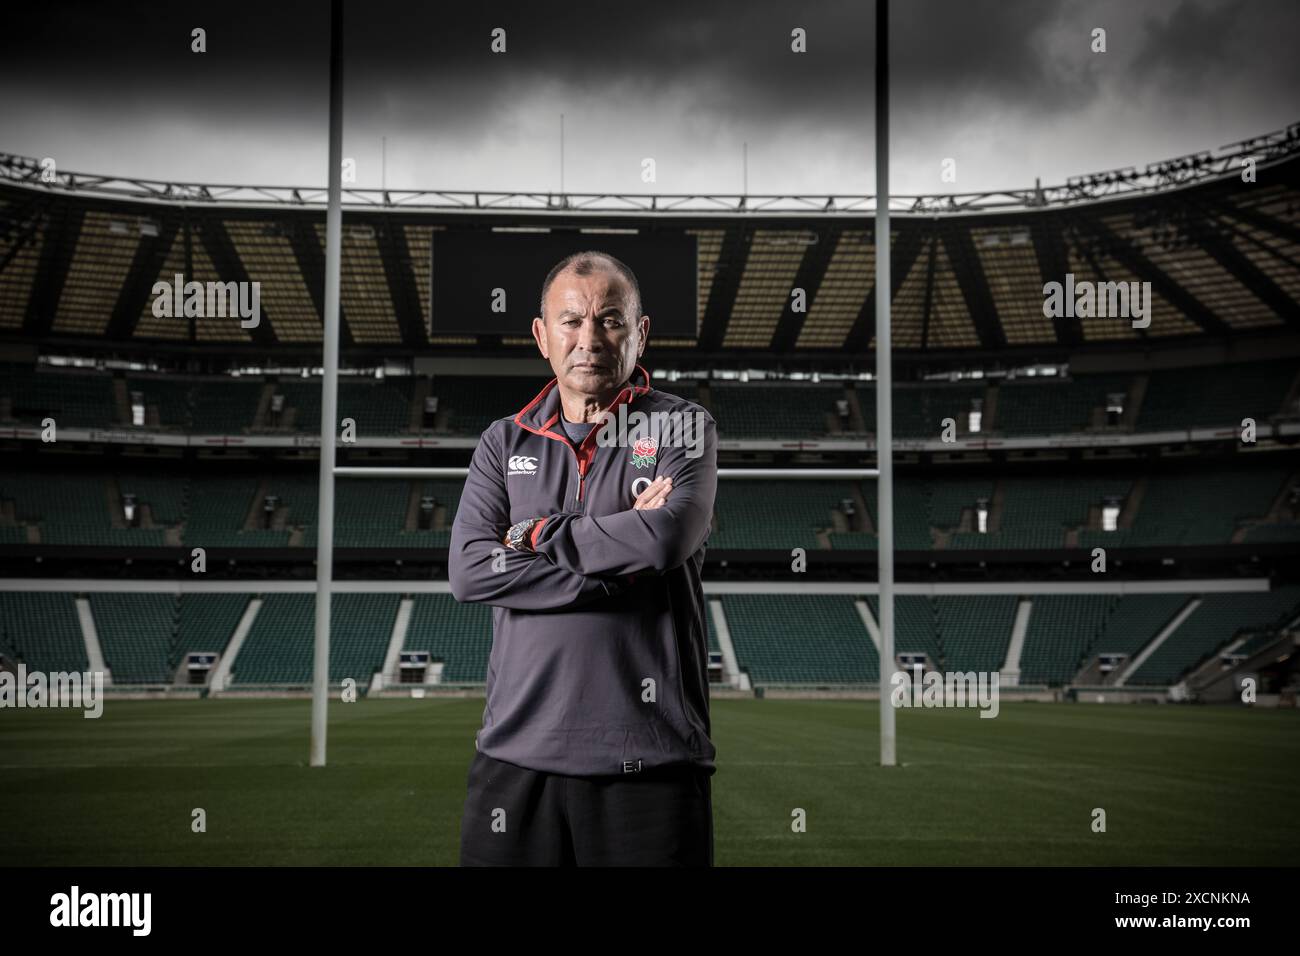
1009, 89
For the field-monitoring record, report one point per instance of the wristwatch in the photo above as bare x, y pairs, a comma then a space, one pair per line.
518, 535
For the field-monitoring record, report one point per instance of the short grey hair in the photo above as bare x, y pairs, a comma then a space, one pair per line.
586, 263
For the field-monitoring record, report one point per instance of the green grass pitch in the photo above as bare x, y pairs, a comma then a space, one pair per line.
1180, 785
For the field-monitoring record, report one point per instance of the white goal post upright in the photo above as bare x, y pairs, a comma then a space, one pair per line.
329, 396
884, 383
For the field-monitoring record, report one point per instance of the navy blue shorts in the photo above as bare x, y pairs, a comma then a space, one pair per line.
518, 817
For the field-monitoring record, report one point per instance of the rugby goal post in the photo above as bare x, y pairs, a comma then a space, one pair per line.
329, 402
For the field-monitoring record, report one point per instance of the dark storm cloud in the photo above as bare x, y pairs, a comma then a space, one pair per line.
1195, 45
1191, 41
264, 55
740, 47
108, 50
1009, 87
274, 48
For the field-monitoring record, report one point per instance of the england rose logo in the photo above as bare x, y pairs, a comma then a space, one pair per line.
643, 452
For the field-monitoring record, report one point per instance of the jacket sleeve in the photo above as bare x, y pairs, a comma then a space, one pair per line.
631, 541
483, 570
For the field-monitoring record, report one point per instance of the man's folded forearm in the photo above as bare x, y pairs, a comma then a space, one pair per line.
629, 542
522, 581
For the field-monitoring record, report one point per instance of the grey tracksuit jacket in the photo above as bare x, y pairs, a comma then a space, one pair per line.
599, 660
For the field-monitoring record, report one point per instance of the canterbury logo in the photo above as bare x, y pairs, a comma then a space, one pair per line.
522, 465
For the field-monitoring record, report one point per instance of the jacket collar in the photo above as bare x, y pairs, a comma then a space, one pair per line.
543, 412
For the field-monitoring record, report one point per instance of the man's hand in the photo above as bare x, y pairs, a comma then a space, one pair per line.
654, 495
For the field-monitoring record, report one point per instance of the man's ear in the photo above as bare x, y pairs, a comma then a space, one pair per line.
539, 335
643, 332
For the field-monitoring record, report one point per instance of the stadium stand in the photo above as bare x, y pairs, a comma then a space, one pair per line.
1273, 533
458, 635
1195, 508
916, 626
974, 631
136, 633
1216, 506
747, 518
367, 515
1172, 399
472, 403
145, 637
1134, 621
301, 411
1038, 512
775, 411
1203, 398
163, 496
31, 395
379, 408
42, 631
167, 401
1213, 624
966, 309
1062, 627
800, 639
779, 639
1038, 406
207, 622
952, 501
225, 407
278, 649
912, 518
219, 512
919, 411
75, 510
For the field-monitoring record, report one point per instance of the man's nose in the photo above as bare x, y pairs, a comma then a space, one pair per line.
591, 338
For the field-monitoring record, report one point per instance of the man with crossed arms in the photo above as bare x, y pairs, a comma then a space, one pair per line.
595, 746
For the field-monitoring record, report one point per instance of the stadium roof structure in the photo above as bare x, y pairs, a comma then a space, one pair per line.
79, 256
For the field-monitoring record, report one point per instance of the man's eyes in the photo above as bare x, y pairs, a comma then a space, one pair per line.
612, 320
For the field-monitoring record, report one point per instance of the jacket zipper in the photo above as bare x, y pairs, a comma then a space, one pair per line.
582, 468
584, 464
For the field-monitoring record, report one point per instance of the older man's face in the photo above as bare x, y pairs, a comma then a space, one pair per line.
588, 334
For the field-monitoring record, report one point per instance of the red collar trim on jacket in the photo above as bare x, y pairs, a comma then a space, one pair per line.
547, 403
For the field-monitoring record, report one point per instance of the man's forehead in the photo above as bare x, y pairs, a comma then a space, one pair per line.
571, 291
